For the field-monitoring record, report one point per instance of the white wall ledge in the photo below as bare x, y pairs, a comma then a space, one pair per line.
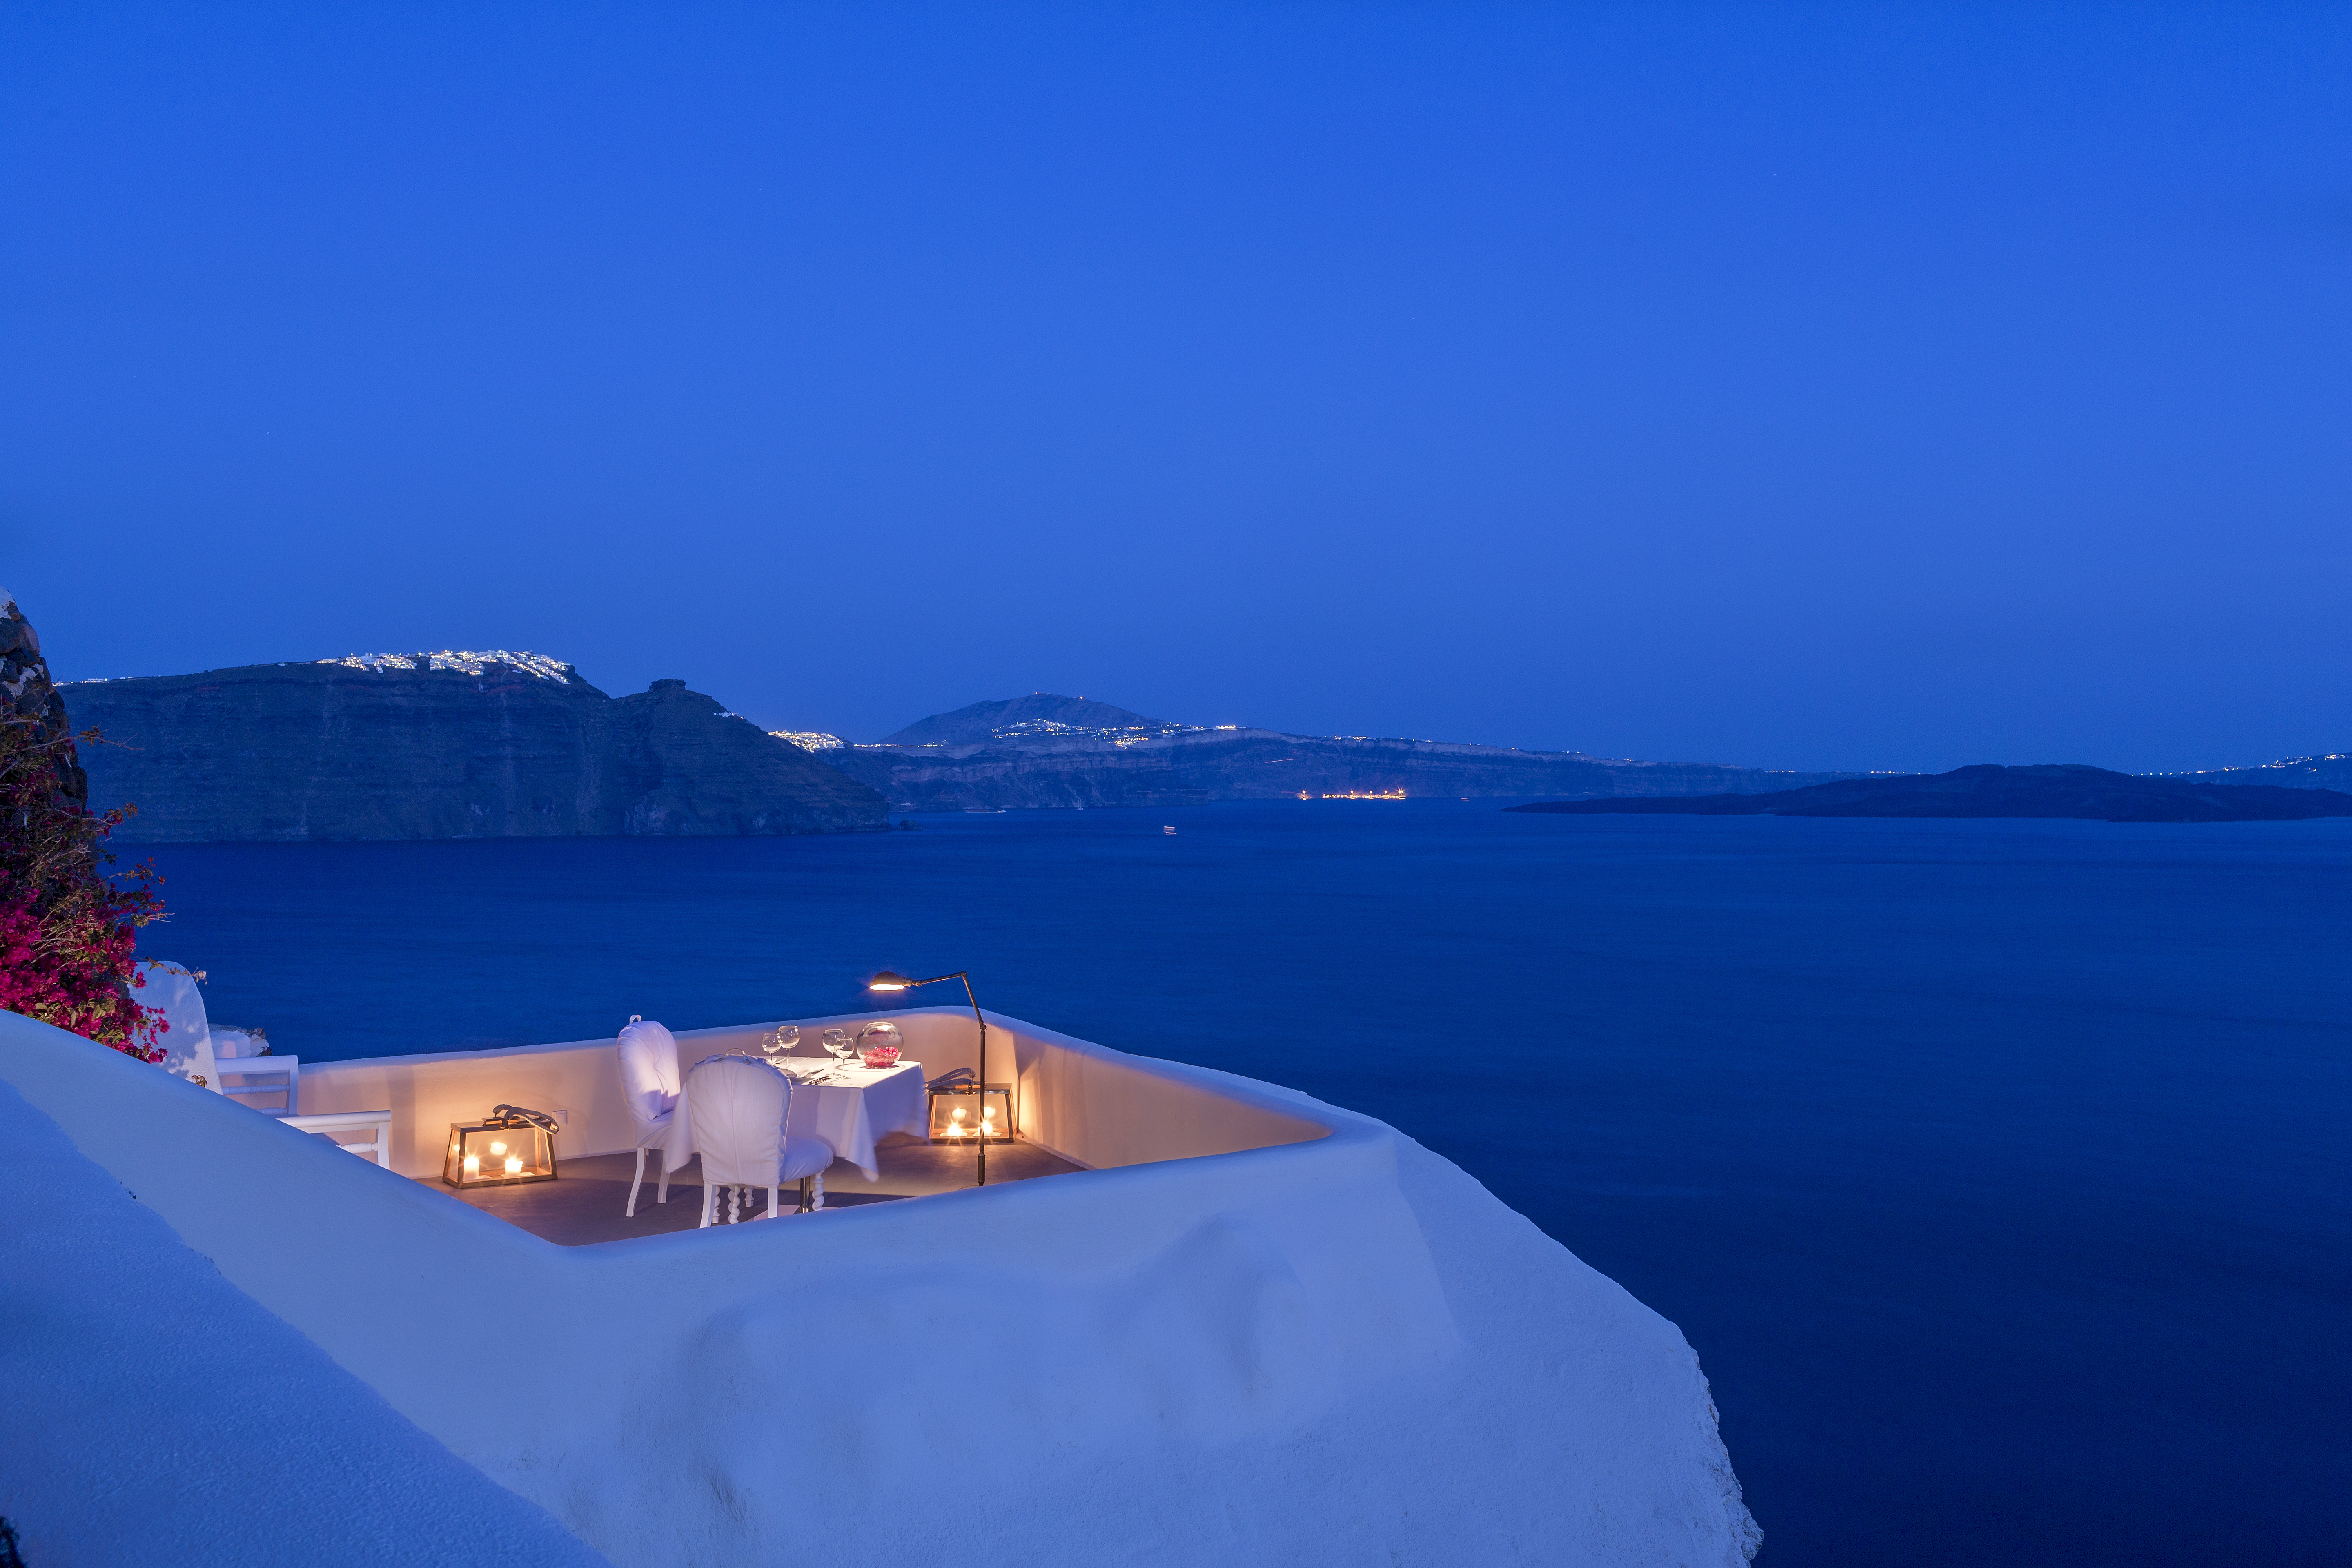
1263, 1330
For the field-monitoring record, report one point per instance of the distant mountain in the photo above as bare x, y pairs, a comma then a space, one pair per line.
1040, 712
2063, 790
443, 745
1045, 750
2333, 770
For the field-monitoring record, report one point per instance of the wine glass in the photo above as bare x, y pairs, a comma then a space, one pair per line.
780, 1040
875, 1036
838, 1045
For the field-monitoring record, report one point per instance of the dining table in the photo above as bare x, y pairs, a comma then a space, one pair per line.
849, 1106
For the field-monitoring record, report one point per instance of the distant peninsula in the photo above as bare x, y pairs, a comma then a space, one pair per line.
499, 744
2046, 790
1048, 750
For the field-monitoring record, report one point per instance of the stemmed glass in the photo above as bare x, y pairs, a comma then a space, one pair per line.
779, 1042
838, 1045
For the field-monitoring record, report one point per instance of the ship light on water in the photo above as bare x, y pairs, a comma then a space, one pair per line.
1364, 795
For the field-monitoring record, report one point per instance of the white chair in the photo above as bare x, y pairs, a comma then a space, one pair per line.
186, 1038
249, 1080
188, 1044
649, 1083
331, 1124
739, 1108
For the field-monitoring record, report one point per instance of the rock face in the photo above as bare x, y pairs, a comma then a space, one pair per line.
1045, 750
2061, 790
444, 746
31, 697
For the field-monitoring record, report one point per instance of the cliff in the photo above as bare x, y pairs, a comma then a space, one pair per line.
31, 697
1045, 750
443, 746
2062, 790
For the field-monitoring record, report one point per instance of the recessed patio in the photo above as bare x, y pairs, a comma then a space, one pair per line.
583, 1205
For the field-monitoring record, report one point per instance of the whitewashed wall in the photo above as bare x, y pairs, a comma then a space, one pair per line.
1096, 1107
1332, 1352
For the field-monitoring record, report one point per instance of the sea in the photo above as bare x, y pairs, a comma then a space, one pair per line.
1998, 1171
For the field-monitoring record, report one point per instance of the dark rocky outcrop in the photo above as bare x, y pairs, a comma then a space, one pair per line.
458, 746
2060, 790
1048, 751
32, 698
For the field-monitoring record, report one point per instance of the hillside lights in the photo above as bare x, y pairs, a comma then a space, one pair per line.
988, 1128
507, 1147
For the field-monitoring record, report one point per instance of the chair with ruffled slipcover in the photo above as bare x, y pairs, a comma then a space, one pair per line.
738, 1107
649, 1084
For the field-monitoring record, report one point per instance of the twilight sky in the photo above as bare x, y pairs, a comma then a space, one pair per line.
1798, 386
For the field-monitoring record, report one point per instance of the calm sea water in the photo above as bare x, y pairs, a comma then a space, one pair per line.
1998, 1171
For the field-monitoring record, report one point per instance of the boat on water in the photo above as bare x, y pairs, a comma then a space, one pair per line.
1192, 1318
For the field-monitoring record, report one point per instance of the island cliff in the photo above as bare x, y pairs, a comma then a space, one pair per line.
2049, 789
1045, 750
446, 745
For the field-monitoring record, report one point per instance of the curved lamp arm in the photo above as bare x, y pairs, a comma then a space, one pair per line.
887, 981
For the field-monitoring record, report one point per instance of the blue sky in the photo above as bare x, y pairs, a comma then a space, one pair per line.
1880, 386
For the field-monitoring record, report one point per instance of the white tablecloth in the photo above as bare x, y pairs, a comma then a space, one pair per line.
853, 1108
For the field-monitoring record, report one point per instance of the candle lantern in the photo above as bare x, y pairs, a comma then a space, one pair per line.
507, 1146
961, 1113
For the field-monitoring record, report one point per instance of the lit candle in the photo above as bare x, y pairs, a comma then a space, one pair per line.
473, 1164
514, 1166
497, 1148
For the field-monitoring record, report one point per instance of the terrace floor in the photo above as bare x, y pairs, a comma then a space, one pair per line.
582, 1206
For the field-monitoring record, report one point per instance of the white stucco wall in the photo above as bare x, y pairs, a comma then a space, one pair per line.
153, 1413
1341, 1350
1097, 1107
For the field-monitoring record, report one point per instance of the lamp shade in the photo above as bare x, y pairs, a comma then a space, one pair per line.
887, 981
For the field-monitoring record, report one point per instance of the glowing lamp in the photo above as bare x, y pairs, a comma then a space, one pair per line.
962, 1113
985, 1126
509, 1146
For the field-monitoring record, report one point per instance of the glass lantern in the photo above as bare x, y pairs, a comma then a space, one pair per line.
500, 1151
964, 1115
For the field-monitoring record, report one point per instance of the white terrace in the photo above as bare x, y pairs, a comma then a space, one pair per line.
1239, 1326
1085, 1108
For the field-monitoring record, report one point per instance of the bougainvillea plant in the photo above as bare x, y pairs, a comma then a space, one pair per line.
68, 924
